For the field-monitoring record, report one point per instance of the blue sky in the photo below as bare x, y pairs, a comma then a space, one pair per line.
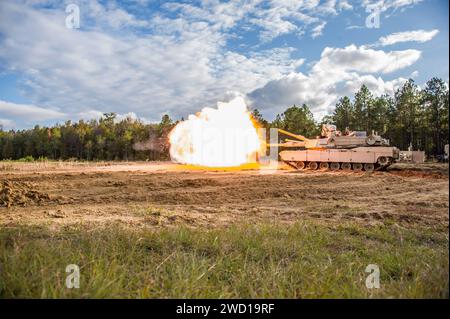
145, 58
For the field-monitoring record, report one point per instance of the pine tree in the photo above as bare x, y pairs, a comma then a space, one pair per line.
343, 115
363, 116
435, 103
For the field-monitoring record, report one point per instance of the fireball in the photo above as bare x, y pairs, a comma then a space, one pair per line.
222, 137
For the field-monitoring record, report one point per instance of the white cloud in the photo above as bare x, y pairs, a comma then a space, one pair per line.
273, 27
89, 115
344, 5
375, 84
221, 15
354, 27
407, 36
385, 5
339, 72
273, 18
112, 16
131, 116
29, 115
318, 29
28, 112
286, 16
362, 59
7, 124
81, 71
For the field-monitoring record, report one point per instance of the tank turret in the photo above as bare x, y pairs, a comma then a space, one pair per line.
350, 139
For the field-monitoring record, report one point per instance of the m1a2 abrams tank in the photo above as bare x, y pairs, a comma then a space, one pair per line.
349, 150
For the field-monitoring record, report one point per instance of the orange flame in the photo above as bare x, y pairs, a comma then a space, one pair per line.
222, 137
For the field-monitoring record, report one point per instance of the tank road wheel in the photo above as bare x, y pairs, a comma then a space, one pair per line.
346, 166
313, 166
324, 166
301, 165
383, 160
369, 167
334, 166
357, 167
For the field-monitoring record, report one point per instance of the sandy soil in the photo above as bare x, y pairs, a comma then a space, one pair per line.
165, 194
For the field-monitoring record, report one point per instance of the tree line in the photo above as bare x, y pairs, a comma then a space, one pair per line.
105, 139
413, 116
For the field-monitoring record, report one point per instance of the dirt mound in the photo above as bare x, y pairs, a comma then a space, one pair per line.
423, 170
199, 182
419, 173
20, 194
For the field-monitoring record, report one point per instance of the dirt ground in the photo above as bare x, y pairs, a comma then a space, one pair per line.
165, 194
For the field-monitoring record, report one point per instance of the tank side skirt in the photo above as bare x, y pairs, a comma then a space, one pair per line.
350, 156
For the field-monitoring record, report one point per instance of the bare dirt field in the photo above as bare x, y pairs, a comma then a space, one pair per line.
164, 194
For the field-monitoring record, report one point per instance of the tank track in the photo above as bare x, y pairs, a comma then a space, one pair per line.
327, 166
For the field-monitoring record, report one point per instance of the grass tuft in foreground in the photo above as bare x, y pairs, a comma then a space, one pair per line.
305, 260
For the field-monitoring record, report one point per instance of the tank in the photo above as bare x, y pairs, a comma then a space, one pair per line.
335, 150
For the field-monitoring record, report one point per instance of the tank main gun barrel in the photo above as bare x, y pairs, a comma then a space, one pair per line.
300, 140
287, 144
296, 136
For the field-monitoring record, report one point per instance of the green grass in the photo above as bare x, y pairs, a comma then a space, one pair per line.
28, 159
305, 260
